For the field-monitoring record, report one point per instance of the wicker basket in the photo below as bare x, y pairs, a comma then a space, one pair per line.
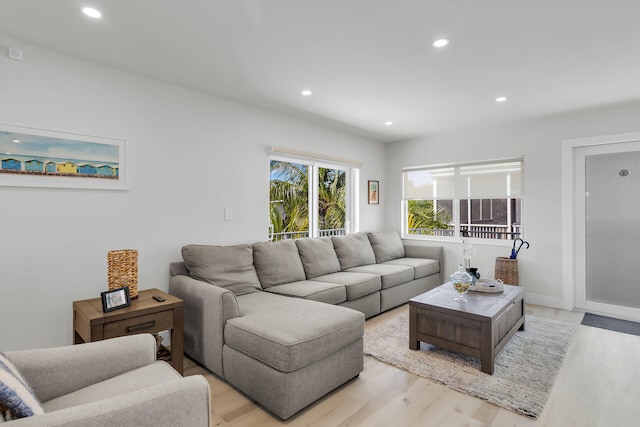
507, 270
123, 270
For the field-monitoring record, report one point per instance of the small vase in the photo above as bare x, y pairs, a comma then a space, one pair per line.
461, 280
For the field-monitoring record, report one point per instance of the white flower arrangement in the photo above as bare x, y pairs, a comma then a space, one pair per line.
467, 251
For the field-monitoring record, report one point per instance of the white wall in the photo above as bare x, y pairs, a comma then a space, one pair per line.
539, 141
190, 156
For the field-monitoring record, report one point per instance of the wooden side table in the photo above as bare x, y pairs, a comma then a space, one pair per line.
144, 315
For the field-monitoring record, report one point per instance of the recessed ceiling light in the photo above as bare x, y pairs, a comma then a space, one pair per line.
306, 92
388, 123
91, 12
441, 43
501, 99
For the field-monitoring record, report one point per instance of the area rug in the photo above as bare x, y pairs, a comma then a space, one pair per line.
611, 324
524, 372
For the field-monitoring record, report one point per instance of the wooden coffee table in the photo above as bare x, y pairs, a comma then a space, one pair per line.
478, 328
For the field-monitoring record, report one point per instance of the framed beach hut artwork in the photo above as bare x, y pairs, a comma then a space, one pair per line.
374, 192
33, 157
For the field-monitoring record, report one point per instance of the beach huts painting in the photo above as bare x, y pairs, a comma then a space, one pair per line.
10, 165
44, 158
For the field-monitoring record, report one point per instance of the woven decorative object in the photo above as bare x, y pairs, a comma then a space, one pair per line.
507, 270
123, 270
487, 286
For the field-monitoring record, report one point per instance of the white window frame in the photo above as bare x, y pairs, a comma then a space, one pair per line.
456, 207
352, 173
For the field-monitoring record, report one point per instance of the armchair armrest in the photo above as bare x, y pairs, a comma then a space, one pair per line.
206, 311
184, 401
53, 372
428, 252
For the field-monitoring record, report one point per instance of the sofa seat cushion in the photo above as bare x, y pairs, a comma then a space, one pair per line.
230, 267
137, 379
318, 256
386, 245
330, 293
356, 284
353, 250
260, 301
392, 275
277, 263
291, 337
421, 267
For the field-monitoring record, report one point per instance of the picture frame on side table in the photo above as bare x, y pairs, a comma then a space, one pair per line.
374, 192
115, 299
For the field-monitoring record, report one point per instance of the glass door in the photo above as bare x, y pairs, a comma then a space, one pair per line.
608, 229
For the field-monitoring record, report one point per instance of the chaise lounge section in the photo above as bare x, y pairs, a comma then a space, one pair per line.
284, 322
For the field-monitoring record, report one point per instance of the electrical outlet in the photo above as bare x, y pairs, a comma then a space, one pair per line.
228, 214
15, 54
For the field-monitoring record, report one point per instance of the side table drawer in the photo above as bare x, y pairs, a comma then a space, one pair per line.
151, 323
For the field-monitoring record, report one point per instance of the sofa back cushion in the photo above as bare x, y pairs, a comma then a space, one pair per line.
230, 267
386, 245
353, 250
277, 263
318, 256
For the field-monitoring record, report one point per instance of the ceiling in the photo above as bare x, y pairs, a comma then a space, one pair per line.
366, 61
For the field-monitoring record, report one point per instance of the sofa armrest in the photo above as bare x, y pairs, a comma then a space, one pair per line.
206, 311
184, 401
428, 252
53, 372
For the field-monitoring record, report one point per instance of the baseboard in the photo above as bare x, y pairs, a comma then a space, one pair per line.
543, 300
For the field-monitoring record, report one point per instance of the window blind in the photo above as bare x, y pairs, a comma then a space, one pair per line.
501, 179
306, 156
430, 183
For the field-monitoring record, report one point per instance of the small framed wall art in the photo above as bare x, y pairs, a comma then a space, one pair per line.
374, 192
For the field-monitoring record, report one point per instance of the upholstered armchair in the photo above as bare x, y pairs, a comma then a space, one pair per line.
115, 382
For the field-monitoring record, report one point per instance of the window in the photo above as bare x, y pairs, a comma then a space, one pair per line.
288, 200
480, 200
310, 198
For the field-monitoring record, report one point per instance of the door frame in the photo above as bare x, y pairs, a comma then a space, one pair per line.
571, 278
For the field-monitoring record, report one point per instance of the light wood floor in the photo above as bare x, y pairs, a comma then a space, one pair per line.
598, 385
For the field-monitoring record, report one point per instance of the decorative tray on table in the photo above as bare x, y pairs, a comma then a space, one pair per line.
487, 286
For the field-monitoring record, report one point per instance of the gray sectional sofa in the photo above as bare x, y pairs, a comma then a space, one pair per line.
284, 322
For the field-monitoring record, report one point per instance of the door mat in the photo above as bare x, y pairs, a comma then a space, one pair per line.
611, 324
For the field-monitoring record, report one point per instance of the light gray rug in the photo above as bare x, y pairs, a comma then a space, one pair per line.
525, 369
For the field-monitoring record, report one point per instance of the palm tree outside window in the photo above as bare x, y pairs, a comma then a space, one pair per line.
307, 199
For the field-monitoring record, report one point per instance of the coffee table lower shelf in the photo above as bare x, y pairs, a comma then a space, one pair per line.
479, 328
